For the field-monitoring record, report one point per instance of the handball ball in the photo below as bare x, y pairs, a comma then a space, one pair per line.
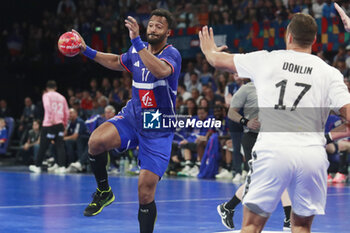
69, 44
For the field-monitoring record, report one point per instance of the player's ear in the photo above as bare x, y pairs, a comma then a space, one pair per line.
313, 42
168, 32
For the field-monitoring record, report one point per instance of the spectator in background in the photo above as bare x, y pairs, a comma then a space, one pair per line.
196, 95
317, 8
106, 87
55, 120
66, 7
199, 62
75, 137
215, 16
29, 150
341, 55
70, 92
203, 14
189, 70
281, 12
27, 117
102, 103
195, 144
4, 110
86, 103
3, 132
222, 82
191, 107
118, 94
181, 91
180, 105
93, 87
329, 10
341, 66
211, 97
77, 106
206, 76
185, 16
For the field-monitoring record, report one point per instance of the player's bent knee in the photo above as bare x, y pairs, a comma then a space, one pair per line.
96, 146
146, 193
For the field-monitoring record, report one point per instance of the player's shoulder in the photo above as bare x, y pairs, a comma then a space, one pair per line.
172, 50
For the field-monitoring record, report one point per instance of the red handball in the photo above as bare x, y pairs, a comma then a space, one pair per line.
69, 44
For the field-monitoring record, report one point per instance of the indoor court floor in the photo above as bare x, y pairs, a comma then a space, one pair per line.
55, 203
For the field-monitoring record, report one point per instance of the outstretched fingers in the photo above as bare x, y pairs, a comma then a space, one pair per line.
343, 16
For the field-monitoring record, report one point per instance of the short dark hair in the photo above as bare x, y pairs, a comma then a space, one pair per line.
165, 13
51, 84
303, 28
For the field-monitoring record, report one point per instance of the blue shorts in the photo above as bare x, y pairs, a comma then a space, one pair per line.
154, 153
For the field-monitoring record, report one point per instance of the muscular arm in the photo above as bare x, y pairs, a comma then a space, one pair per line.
109, 60
214, 54
160, 69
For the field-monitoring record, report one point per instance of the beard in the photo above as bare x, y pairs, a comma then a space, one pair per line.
155, 40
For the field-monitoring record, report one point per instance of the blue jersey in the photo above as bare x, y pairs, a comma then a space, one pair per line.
148, 92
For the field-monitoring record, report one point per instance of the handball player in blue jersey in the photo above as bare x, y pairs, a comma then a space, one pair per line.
156, 67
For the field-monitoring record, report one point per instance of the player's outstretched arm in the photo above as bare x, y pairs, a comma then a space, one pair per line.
108, 60
343, 16
214, 54
160, 69
343, 130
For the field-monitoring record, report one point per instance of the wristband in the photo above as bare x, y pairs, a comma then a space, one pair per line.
138, 44
328, 138
243, 121
90, 53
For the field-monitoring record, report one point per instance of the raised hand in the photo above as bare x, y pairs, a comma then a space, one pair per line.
343, 16
207, 43
133, 27
83, 44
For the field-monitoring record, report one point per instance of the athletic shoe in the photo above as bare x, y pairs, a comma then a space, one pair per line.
52, 169
224, 174
99, 201
34, 169
237, 179
339, 178
286, 225
226, 216
77, 165
329, 178
60, 170
194, 171
185, 171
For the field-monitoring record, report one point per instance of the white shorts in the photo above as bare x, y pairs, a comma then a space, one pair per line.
302, 170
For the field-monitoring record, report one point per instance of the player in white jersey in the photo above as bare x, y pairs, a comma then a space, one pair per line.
295, 92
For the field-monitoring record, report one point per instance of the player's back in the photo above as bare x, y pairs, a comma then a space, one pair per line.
56, 108
295, 92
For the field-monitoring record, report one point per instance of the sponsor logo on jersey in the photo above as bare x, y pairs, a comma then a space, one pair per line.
133, 50
147, 98
137, 64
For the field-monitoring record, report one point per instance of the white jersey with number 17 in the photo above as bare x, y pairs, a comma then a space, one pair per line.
295, 94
